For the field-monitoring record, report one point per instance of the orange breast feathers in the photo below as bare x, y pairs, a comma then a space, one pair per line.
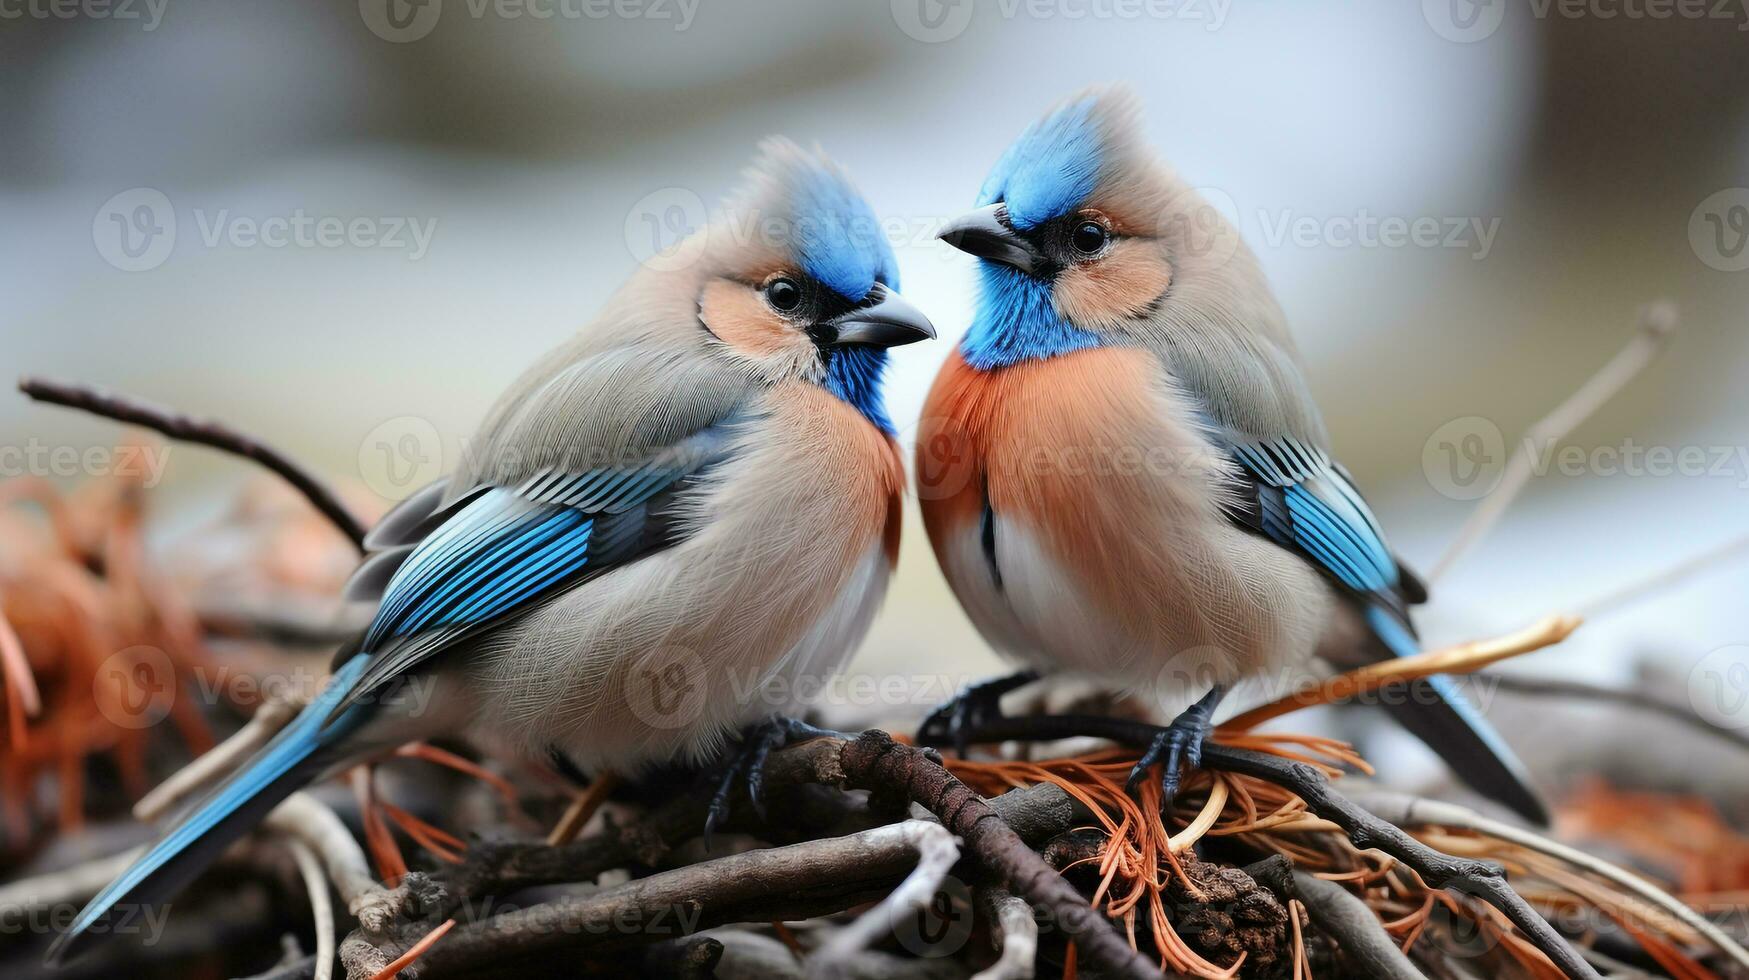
860, 464
1085, 449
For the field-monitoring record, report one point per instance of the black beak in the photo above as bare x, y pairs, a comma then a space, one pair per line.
883, 320
987, 234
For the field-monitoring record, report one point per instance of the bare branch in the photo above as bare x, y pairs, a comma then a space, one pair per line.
937, 852
1015, 933
1365, 944
1410, 810
1657, 322
205, 432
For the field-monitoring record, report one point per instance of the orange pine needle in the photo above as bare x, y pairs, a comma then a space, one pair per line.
413, 953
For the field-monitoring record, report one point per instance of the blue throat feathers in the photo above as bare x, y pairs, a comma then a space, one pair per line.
1016, 322
854, 375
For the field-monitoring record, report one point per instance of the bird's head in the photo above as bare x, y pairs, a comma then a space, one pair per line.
1086, 235
800, 281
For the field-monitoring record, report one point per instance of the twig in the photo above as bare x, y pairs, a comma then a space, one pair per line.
202, 431
1460, 659
220, 759
321, 908
937, 852
1484, 879
1657, 322
304, 817
576, 815
1364, 943
1014, 932
1622, 596
1580, 690
1410, 810
798, 881
877, 763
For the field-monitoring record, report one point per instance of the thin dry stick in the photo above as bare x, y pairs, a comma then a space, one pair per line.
1015, 933
202, 431
1368, 949
577, 815
1619, 598
1559, 687
321, 907
937, 853
1460, 659
303, 816
1657, 322
1408, 810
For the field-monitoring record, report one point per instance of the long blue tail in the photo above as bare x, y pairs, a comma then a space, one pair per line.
296, 755
1438, 714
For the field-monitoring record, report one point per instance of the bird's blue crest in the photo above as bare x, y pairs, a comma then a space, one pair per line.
825, 224
1051, 168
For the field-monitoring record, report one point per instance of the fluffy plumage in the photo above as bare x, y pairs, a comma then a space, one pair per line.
698, 492
1149, 485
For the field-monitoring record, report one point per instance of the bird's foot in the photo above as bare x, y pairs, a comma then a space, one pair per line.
975, 705
1179, 742
746, 762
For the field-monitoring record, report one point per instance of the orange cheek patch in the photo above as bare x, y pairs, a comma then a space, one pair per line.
1114, 288
739, 318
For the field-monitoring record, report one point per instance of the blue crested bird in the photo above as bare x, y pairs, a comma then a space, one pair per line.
700, 491
1122, 470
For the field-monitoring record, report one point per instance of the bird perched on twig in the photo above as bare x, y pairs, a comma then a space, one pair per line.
695, 496
1122, 470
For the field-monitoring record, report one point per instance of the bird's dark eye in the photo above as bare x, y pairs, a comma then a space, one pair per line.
1088, 237
783, 294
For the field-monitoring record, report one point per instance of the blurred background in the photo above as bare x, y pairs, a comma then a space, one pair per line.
344, 227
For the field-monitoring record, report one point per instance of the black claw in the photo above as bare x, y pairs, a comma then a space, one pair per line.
1179, 743
969, 709
747, 763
